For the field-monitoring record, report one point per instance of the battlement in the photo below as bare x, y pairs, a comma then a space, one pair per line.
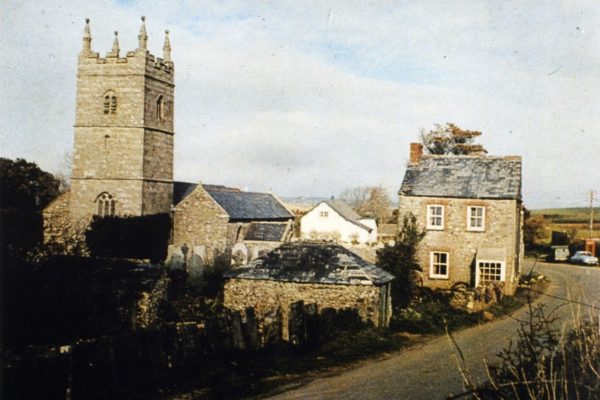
139, 61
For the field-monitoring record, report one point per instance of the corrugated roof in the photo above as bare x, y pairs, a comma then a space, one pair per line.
476, 177
312, 262
243, 206
265, 232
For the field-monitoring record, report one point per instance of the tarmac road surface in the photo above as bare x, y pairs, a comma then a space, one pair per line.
430, 371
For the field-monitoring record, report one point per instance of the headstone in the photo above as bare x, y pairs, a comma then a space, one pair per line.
251, 329
175, 257
297, 324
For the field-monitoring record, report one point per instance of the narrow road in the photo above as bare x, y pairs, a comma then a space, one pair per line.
430, 371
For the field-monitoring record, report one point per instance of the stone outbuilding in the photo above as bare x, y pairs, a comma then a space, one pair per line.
215, 221
471, 208
337, 221
323, 273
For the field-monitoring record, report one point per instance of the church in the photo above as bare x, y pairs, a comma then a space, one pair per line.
123, 163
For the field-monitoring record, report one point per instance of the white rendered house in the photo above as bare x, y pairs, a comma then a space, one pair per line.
335, 220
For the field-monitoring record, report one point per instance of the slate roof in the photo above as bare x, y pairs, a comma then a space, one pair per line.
265, 232
245, 206
346, 212
312, 262
181, 190
473, 177
240, 205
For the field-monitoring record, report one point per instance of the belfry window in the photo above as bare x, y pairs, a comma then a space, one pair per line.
110, 103
106, 205
160, 108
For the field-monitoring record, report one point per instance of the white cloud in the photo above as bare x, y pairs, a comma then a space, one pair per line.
310, 98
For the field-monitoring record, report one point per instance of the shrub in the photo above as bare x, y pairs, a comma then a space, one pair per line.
144, 237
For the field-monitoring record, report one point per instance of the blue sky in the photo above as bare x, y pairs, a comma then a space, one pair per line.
310, 98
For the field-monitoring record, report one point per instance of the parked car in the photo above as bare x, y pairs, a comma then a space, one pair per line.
584, 257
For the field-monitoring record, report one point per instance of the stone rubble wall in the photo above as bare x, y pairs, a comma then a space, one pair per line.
502, 227
266, 296
199, 221
62, 232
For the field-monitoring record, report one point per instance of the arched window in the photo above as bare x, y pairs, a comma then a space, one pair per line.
110, 103
106, 205
160, 108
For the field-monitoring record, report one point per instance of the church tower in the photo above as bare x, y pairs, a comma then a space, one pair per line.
123, 151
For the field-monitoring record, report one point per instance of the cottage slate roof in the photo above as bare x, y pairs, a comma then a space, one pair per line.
243, 206
265, 232
312, 262
473, 177
240, 205
346, 212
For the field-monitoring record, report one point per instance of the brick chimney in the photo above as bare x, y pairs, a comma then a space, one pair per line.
416, 152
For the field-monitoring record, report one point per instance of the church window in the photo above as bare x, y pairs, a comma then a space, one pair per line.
160, 108
110, 103
106, 205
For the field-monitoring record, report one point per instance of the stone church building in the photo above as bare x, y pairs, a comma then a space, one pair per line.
123, 150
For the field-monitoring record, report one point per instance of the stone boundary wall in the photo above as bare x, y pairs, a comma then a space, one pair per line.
265, 296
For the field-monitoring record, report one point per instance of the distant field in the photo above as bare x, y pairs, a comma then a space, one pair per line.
568, 215
569, 219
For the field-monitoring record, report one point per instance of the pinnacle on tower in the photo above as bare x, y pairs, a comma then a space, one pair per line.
87, 38
143, 36
115, 47
167, 48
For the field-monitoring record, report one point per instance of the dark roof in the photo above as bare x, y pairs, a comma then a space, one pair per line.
346, 212
265, 232
243, 206
181, 190
473, 177
312, 262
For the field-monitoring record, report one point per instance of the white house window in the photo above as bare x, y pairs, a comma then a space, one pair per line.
439, 263
490, 271
324, 214
475, 218
106, 205
435, 217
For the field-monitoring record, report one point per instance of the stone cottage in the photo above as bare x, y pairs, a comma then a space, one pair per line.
322, 273
471, 208
218, 221
335, 220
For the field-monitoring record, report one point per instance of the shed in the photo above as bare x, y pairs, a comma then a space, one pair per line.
314, 272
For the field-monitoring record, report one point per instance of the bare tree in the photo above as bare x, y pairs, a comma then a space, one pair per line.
63, 174
369, 201
450, 139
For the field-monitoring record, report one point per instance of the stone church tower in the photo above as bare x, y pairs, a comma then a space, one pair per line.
123, 152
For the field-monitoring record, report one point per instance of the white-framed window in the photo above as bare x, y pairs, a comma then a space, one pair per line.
435, 217
439, 264
490, 271
324, 214
476, 218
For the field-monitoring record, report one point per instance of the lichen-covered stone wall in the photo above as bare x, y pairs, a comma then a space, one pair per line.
502, 230
266, 296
